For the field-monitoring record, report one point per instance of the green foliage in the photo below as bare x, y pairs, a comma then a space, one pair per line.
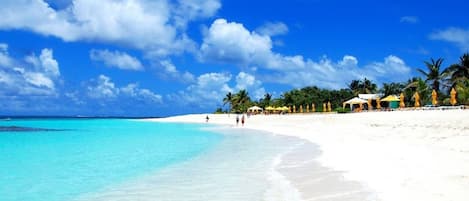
462, 89
434, 78
342, 110
218, 111
364, 86
433, 75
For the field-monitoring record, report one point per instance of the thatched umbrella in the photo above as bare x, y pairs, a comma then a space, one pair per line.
453, 100
434, 97
401, 98
417, 99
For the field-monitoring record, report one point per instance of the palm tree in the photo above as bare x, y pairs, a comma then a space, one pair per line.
460, 71
434, 76
228, 99
420, 86
241, 100
364, 86
392, 88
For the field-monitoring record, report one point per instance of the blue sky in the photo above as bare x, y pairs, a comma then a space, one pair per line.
159, 58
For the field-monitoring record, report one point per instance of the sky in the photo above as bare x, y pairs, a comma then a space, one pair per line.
161, 57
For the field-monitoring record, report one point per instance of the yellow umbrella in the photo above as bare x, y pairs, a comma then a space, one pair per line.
294, 109
378, 103
313, 108
370, 107
329, 109
401, 98
453, 100
417, 99
301, 108
307, 108
434, 97
324, 108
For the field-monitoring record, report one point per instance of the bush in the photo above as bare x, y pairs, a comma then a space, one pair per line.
342, 110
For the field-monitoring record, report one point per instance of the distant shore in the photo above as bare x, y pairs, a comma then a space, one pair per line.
400, 155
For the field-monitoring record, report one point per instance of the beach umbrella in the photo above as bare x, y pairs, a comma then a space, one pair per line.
307, 108
434, 97
378, 103
417, 99
401, 98
294, 109
453, 100
301, 108
369, 104
329, 109
313, 108
324, 107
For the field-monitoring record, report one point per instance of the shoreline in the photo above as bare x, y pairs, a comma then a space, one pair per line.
399, 155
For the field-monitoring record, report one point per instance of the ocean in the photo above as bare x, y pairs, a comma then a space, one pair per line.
126, 159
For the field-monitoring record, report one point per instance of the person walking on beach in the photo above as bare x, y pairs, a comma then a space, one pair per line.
206, 118
237, 120
242, 120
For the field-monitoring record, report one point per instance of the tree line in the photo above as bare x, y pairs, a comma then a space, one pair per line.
433, 77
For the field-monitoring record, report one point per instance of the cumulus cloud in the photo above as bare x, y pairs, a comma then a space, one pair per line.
231, 42
457, 36
210, 88
104, 90
273, 29
169, 70
152, 26
410, 19
34, 76
116, 59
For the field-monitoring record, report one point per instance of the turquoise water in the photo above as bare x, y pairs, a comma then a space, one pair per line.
89, 155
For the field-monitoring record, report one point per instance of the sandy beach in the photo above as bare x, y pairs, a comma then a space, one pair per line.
400, 155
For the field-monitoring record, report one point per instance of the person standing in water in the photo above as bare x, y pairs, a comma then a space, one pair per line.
242, 120
237, 120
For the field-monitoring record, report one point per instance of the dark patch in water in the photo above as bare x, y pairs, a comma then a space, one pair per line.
25, 129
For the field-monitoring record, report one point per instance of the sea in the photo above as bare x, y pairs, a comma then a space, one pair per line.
77, 159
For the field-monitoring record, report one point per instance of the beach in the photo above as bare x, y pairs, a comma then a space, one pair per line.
399, 155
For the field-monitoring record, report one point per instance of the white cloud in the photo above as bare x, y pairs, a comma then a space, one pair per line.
103, 89
273, 29
232, 43
152, 26
410, 19
457, 36
251, 84
330, 74
35, 76
116, 59
4, 57
169, 70
210, 88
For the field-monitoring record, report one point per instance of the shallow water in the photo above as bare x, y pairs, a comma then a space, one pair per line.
114, 159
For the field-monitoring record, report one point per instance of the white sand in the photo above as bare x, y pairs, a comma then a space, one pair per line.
401, 155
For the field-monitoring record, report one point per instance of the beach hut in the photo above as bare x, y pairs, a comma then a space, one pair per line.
393, 101
255, 109
355, 101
